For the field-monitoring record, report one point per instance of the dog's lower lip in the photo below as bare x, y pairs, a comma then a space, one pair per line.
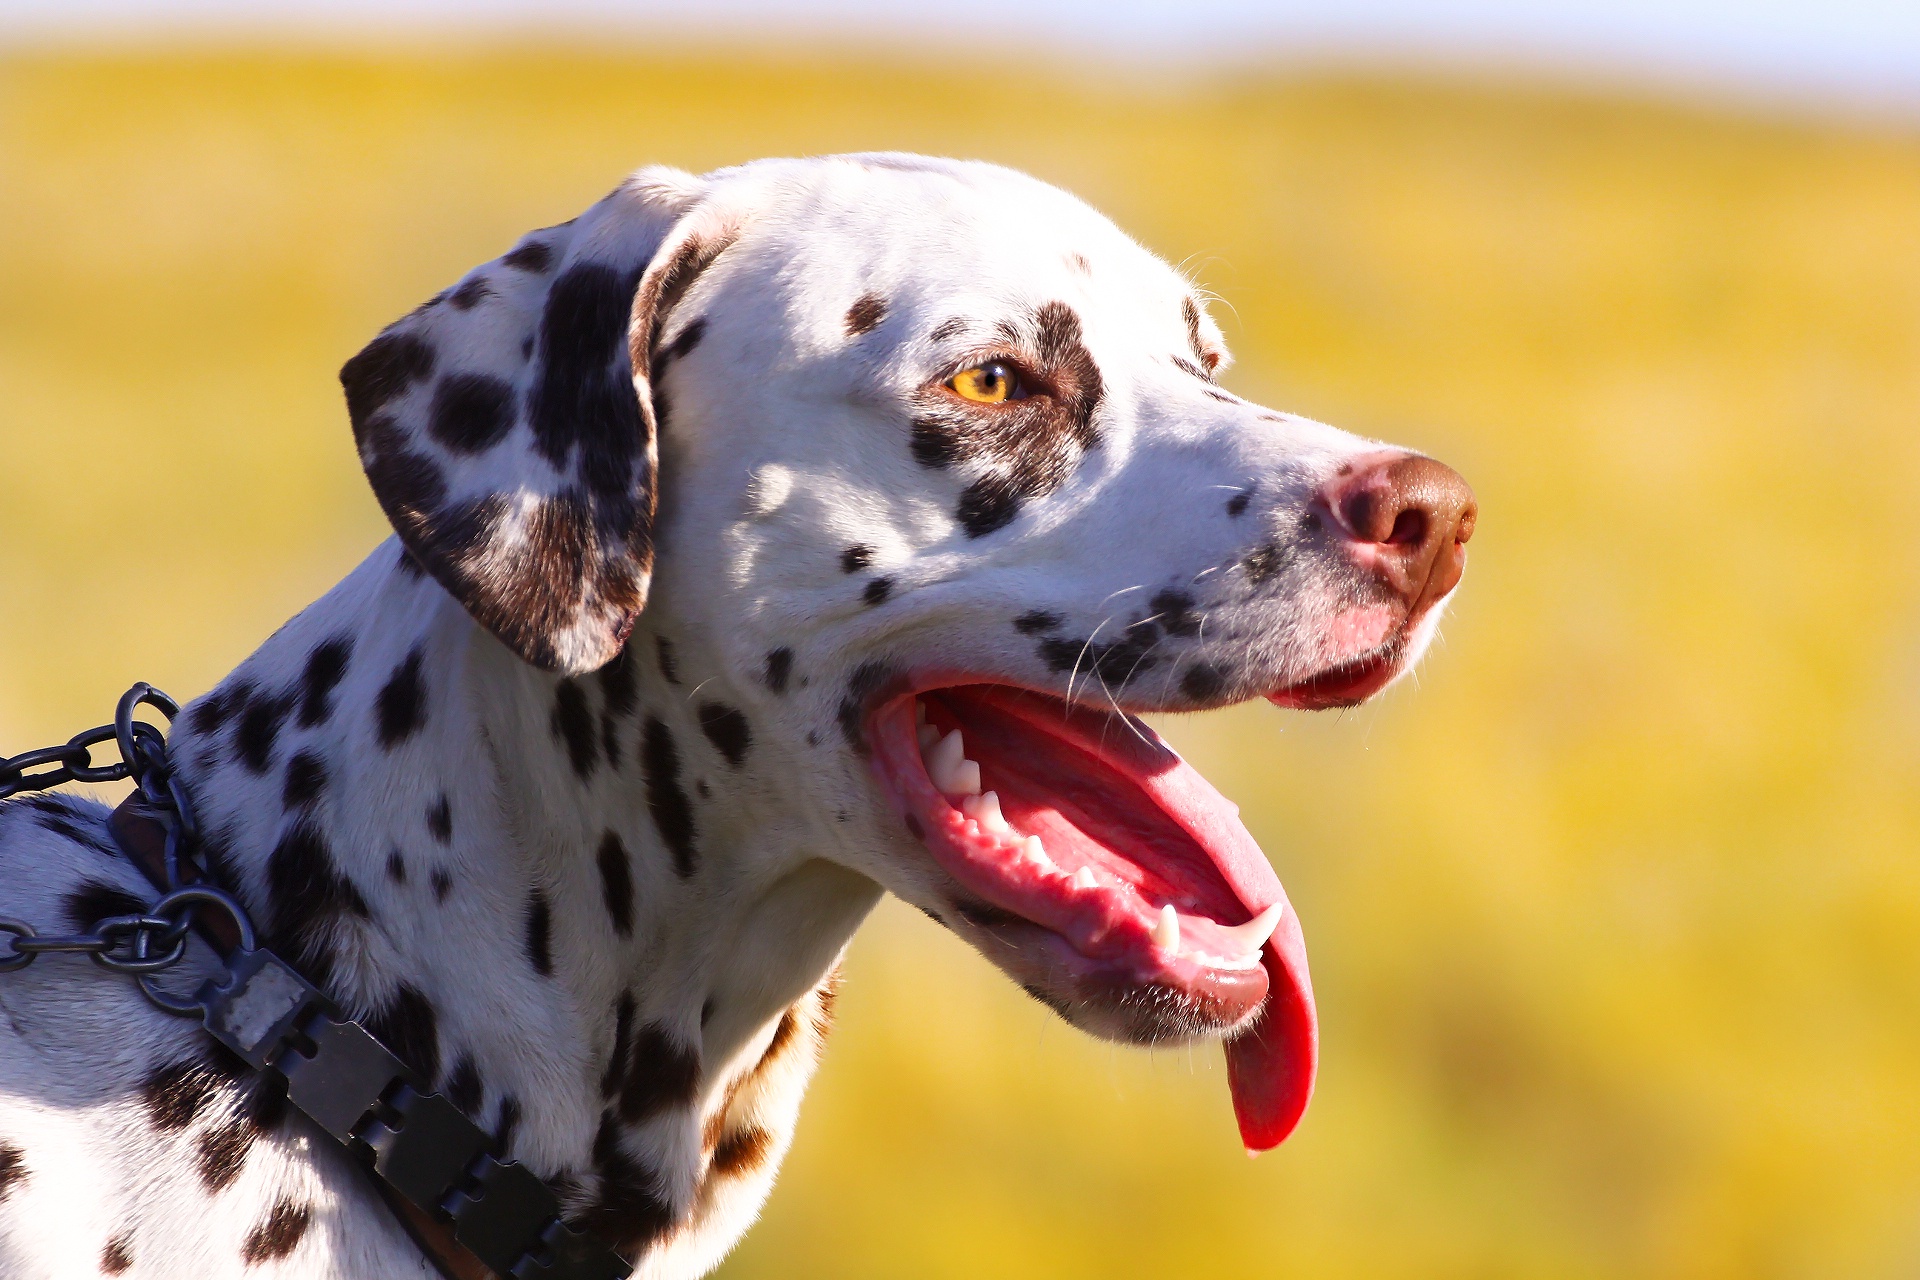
1344, 685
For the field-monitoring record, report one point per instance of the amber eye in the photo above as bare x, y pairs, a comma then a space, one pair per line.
994, 382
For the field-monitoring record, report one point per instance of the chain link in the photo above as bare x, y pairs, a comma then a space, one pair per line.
142, 944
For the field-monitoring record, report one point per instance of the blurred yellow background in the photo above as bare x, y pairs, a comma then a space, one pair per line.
1615, 917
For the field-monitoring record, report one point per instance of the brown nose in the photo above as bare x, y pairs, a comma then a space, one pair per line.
1411, 518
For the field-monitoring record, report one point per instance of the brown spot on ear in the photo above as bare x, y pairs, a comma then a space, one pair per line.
741, 1151
865, 314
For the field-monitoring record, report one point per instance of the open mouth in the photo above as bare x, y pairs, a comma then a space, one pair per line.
1110, 877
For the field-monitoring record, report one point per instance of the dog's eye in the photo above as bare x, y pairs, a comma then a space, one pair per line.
994, 382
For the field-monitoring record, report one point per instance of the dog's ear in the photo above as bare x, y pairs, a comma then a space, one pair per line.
509, 433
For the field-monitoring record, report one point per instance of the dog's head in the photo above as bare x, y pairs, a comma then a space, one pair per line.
931, 459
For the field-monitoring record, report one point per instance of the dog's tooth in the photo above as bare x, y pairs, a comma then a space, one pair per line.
928, 735
985, 809
1036, 851
943, 758
1166, 930
1083, 879
965, 779
1248, 938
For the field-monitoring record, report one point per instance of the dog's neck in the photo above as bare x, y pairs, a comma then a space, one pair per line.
570, 903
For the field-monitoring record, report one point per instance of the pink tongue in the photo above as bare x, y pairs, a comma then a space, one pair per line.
1270, 1067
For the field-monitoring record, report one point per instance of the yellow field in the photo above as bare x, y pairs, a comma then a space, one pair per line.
1615, 919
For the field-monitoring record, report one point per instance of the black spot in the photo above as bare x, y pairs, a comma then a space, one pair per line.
616, 1072
326, 667
212, 711
259, 728
396, 867
402, 704
440, 819
672, 812
663, 649
683, 343
1263, 562
471, 293
877, 591
93, 901
13, 1168
174, 1093
308, 894
949, 328
383, 369
540, 934
1115, 662
663, 1074
779, 667
463, 1087
118, 1255
306, 779
865, 681
532, 256
855, 558
1203, 682
471, 412
503, 1127
933, 444
619, 693
1034, 621
585, 395
1238, 502
222, 1152
631, 1208
572, 723
987, 505
1175, 610
409, 1028
85, 829
441, 882
616, 883
278, 1234
866, 313
727, 730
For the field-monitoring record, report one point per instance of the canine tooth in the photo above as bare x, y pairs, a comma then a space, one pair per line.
928, 735
1083, 879
943, 758
1166, 930
985, 809
1253, 935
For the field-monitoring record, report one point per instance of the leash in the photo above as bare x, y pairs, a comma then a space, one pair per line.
473, 1214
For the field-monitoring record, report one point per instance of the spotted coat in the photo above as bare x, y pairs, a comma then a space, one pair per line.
562, 790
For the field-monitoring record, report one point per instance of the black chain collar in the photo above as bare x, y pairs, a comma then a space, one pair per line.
337, 1073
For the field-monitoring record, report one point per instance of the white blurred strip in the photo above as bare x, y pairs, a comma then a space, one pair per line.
1859, 52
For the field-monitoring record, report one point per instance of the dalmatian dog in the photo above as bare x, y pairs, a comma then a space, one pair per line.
764, 542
